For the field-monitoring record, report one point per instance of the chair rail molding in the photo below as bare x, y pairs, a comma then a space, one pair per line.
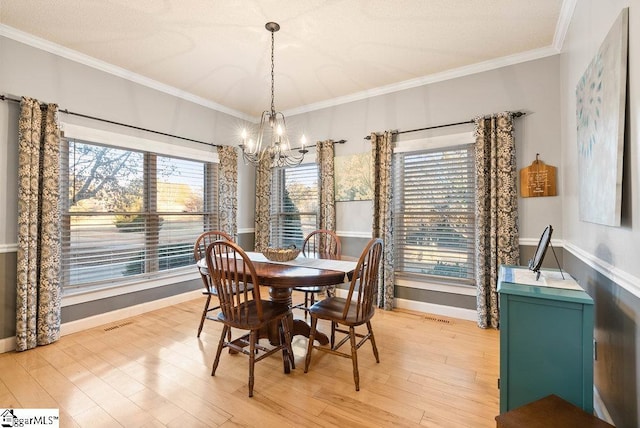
625, 280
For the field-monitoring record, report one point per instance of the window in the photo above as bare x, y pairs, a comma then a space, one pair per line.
130, 214
434, 213
294, 204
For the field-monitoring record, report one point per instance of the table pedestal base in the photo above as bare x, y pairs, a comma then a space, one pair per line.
296, 326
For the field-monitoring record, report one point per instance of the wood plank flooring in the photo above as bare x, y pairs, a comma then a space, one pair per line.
152, 371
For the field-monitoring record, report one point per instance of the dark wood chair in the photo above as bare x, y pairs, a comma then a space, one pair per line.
199, 250
231, 273
355, 310
319, 242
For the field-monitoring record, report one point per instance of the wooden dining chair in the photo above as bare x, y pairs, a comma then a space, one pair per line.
231, 273
355, 310
318, 242
199, 250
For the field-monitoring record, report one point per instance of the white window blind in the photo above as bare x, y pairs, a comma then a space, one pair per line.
294, 204
434, 213
131, 214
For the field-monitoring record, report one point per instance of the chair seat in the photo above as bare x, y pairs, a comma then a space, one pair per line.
332, 308
270, 310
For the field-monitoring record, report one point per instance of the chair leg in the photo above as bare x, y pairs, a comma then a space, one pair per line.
219, 351
333, 334
373, 342
306, 304
312, 334
354, 357
285, 341
204, 314
252, 359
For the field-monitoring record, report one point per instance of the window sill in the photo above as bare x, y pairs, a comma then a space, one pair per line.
103, 291
426, 284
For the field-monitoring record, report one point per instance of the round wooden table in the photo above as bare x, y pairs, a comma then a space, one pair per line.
281, 278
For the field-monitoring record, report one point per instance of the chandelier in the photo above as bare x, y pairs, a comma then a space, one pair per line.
272, 140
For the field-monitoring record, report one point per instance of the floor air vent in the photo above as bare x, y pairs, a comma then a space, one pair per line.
113, 327
438, 320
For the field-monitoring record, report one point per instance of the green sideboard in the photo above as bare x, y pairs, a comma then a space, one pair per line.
546, 339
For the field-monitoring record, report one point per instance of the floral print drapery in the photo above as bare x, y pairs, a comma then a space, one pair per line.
263, 192
496, 209
327, 193
382, 149
228, 190
39, 243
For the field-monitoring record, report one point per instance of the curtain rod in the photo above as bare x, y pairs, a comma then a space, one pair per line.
308, 146
4, 98
515, 114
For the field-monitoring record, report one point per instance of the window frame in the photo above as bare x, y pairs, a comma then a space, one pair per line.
276, 214
432, 282
73, 296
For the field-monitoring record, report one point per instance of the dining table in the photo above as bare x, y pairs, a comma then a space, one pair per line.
305, 270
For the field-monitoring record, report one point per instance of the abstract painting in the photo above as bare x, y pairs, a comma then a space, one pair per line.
600, 114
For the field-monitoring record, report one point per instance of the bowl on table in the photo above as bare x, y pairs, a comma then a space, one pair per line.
280, 254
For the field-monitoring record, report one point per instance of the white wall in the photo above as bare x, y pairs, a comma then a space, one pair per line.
618, 247
532, 87
27, 71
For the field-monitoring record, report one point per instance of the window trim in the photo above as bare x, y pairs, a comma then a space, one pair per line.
431, 283
80, 295
125, 141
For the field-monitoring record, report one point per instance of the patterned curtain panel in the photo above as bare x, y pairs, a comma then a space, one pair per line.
327, 212
496, 210
382, 149
38, 280
263, 186
228, 190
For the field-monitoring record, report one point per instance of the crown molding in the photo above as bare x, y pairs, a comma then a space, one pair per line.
432, 78
564, 20
70, 54
566, 12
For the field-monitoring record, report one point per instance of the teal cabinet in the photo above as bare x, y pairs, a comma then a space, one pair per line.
546, 339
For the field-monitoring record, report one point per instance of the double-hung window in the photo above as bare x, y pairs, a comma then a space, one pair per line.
294, 204
130, 215
434, 212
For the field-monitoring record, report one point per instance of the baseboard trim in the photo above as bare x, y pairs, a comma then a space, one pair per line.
431, 308
428, 308
9, 344
131, 311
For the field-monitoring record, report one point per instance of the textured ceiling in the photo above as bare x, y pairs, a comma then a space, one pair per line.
219, 50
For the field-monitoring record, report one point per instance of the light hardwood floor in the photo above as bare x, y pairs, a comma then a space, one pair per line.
152, 371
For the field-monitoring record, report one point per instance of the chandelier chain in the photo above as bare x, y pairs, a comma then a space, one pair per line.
273, 108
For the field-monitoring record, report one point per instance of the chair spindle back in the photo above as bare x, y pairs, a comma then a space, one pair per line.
322, 241
233, 274
364, 284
